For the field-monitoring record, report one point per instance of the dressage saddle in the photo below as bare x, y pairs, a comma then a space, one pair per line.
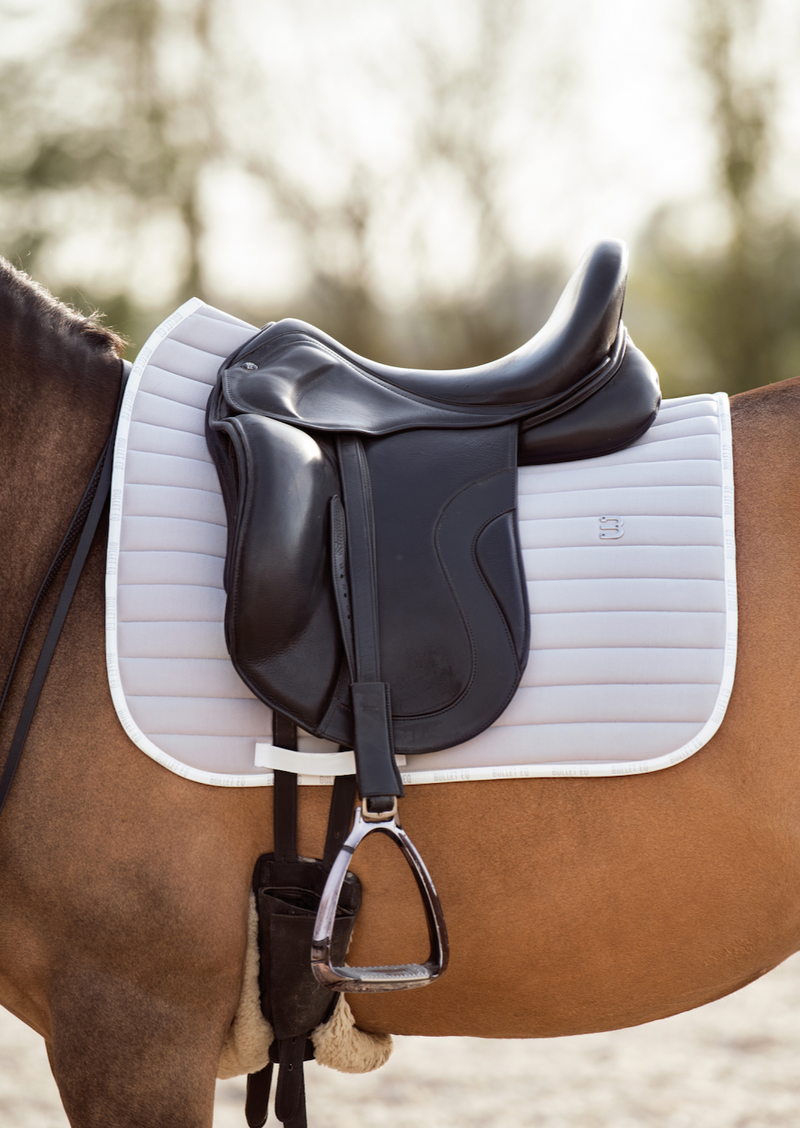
375, 589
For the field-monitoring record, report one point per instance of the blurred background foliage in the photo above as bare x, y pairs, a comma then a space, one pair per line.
138, 133
728, 316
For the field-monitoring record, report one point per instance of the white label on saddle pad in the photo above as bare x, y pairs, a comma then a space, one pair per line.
630, 563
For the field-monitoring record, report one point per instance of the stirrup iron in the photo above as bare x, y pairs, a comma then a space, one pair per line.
398, 977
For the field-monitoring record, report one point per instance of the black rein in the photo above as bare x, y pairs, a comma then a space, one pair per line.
82, 528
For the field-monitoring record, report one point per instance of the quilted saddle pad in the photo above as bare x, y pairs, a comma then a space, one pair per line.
629, 558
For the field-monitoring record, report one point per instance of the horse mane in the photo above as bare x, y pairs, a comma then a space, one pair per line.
38, 326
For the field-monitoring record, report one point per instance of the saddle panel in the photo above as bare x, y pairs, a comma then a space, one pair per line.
610, 420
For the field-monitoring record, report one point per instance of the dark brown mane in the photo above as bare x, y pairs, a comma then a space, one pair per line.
37, 325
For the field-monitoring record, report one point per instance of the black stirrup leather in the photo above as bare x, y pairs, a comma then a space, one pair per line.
375, 588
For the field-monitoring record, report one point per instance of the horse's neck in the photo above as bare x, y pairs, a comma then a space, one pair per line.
57, 399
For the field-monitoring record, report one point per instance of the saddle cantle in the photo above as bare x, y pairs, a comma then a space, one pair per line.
375, 591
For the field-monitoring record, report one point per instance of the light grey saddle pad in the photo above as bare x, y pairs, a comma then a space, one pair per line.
630, 563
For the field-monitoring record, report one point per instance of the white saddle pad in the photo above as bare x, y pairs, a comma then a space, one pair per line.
631, 579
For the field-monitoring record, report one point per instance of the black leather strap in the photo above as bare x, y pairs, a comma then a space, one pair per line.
285, 800
290, 1092
284, 793
82, 527
340, 817
71, 535
256, 1103
284, 731
341, 582
361, 556
378, 777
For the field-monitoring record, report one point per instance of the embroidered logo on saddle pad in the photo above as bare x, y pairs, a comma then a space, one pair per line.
629, 560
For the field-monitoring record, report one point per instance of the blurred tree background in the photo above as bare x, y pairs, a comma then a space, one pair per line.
157, 149
727, 316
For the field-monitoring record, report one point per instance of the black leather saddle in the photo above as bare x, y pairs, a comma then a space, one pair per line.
375, 589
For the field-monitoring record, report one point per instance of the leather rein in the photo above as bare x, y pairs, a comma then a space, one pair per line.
82, 529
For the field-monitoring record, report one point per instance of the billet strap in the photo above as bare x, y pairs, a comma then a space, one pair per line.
284, 792
290, 1092
340, 817
256, 1102
82, 528
284, 798
284, 731
290, 1095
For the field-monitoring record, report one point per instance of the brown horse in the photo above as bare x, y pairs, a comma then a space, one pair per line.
573, 905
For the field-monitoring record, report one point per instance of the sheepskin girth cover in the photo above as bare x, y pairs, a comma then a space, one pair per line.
338, 1043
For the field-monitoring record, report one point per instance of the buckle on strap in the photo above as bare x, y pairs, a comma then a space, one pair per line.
398, 977
378, 816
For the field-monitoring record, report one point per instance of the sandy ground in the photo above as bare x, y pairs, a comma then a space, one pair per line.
733, 1064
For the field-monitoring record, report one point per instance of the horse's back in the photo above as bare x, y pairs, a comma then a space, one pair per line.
572, 904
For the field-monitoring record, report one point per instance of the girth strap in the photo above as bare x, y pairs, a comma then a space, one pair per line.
284, 793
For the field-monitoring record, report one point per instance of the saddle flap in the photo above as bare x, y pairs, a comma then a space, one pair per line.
281, 621
447, 545
453, 624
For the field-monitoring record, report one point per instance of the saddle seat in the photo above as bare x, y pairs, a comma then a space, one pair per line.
579, 387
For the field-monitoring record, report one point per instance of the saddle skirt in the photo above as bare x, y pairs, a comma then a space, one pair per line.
630, 567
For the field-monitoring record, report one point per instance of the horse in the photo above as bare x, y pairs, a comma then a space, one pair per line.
573, 904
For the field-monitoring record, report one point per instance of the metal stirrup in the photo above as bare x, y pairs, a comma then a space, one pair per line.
390, 978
